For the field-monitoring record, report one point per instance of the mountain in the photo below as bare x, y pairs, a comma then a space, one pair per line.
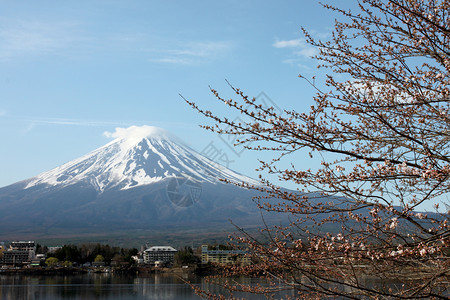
145, 178
147, 155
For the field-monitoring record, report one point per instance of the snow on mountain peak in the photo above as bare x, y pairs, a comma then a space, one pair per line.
134, 134
138, 155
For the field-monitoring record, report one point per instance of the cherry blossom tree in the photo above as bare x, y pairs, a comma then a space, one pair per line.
380, 124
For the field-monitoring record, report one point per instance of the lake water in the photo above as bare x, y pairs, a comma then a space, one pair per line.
104, 286
108, 286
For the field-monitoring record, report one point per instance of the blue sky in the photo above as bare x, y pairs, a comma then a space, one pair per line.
72, 70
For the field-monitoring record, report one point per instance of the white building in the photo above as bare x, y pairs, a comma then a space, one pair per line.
23, 246
158, 255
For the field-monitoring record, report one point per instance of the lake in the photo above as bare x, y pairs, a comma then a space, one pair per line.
105, 286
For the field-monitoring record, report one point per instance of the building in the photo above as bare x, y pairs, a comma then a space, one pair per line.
38, 260
23, 246
19, 253
224, 256
53, 249
159, 255
2, 249
138, 259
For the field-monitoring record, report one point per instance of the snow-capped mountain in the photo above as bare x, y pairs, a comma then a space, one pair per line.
145, 156
144, 178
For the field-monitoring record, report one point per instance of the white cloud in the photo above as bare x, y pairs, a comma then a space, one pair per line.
134, 134
34, 122
173, 60
299, 48
307, 51
135, 131
193, 52
72, 122
203, 49
30, 38
289, 43
28, 128
23, 37
123, 129
297, 62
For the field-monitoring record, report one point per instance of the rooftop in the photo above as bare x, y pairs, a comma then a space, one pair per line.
161, 248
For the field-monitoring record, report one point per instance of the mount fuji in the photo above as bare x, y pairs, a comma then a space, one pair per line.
139, 156
144, 178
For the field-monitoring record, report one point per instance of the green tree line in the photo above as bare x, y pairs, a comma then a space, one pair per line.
88, 253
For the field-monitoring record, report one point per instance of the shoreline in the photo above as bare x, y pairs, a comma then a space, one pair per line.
135, 270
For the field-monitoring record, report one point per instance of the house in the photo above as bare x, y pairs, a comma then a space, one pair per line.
224, 256
138, 259
159, 255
